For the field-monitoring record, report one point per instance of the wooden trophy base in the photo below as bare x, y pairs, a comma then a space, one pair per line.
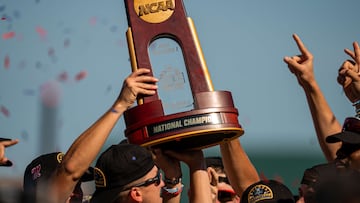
213, 121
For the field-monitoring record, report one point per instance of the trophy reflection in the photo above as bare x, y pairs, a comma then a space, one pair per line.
186, 112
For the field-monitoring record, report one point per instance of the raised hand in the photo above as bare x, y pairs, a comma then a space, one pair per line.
301, 65
137, 83
349, 77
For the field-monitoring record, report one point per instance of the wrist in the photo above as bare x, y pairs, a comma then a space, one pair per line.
172, 181
356, 104
173, 191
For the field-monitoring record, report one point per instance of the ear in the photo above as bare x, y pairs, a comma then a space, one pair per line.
136, 194
213, 176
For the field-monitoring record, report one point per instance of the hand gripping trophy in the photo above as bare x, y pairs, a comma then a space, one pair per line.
186, 112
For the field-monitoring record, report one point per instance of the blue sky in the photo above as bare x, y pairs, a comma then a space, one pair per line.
243, 43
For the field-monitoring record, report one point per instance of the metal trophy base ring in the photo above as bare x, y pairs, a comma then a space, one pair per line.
196, 139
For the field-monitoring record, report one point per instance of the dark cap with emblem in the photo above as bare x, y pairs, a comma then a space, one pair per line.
118, 166
350, 132
41, 169
269, 191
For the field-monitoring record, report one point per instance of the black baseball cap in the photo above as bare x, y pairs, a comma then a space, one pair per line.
41, 169
118, 166
350, 133
269, 191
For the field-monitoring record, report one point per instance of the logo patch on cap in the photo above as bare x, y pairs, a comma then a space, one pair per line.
36, 172
59, 157
99, 176
260, 192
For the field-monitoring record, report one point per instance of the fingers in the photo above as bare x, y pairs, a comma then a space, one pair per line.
355, 55
140, 71
350, 53
354, 76
304, 58
138, 83
357, 52
4, 161
10, 142
144, 83
292, 61
303, 50
348, 65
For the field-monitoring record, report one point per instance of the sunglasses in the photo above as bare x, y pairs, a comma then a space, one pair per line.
226, 195
223, 180
155, 180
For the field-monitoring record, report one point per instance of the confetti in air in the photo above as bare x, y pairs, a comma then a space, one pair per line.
41, 32
63, 77
93, 20
4, 111
81, 75
7, 62
66, 43
51, 51
8, 35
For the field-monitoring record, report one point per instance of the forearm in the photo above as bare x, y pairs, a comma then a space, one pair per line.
200, 186
82, 153
239, 169
324, 120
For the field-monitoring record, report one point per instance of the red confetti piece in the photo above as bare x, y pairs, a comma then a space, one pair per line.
81, 75
3, 18
63, 77
5, 111
93, 20
41, 32
8, 35
7, 62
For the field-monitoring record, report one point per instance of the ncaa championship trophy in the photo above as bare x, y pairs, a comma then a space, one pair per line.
186, 112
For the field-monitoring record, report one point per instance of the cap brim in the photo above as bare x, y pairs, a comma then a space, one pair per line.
105, 196
345, 136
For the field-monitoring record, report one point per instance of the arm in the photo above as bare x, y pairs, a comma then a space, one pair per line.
199, 178
324, 120
4, 161
172, 170
238, 167
85, 148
